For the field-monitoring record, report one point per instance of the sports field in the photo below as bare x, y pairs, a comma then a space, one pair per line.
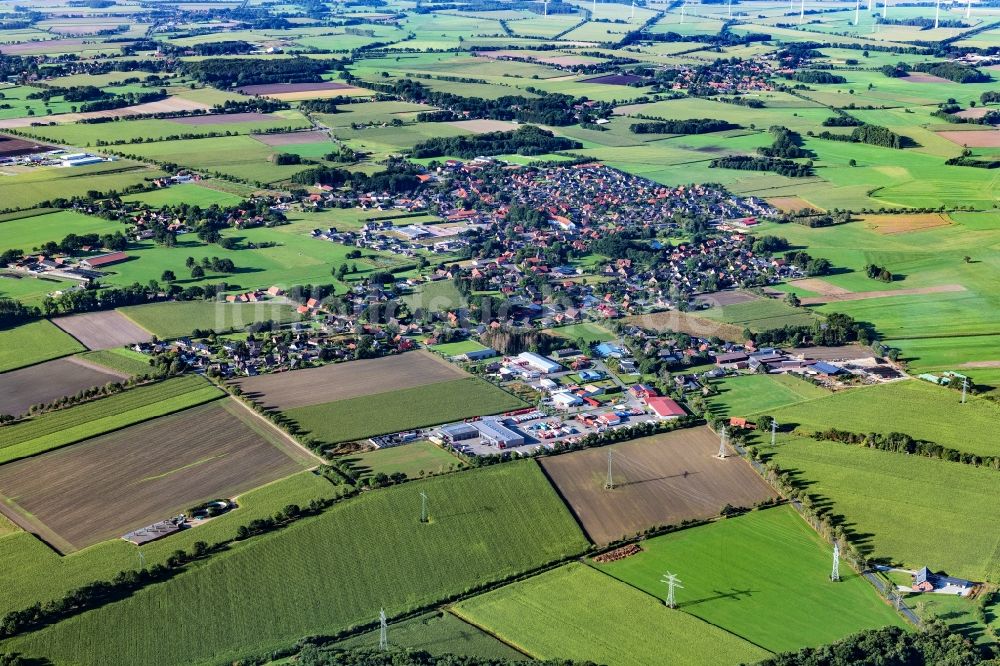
763, 576
915, 407
576, 612
659, 480
886, 500
101, 488
484, 525
46, 382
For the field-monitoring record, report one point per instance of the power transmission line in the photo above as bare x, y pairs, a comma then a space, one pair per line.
424, 518
671, 581
723, 436
835, 574
610, 483
383, 631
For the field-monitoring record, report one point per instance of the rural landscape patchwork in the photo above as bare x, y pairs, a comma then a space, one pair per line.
488, 332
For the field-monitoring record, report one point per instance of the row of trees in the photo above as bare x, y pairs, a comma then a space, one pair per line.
691, 126
749, 163
527, 140
898, 442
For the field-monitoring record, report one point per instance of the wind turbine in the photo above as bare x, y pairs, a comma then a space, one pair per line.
857, 11
937, 14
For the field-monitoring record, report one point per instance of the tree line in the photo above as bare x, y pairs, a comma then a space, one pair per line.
527, 140
692, 126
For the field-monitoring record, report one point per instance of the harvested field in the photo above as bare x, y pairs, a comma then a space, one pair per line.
484, 125
615, 79
168, 105
566, 61
920, 77
103, 330
791, 204
900, 224
20, 389
48, 46
318, 94
972, 113
222, 119
340, 381
974, 139
845, 353
282, 88
886, 293
659, 480
818, 286
728, 297
12, 147
103, 487
682, 322
292, 138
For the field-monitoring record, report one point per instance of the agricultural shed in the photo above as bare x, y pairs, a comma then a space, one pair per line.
665, 408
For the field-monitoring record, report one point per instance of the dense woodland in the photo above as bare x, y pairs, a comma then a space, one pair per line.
528, 140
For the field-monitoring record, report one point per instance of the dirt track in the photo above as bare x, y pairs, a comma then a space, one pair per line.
339, 381
660, 480
103, 330
45, 382
865, 295
103, 487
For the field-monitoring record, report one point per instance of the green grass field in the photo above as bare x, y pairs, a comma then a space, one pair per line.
395, 411
33, 343
188, 193
755, 394
763, 576
458, 348
438, 633
888, 500
43, 574
484, 525
760, 314
123, 360
576, 612
917, 408
74, 424
176, 319
25, 190
27, 233
590, 332
414, 460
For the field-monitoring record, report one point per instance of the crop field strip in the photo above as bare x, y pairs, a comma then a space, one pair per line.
103, 487
53, 430
30, 344
102, 330
403, 409
659, 480
45, 382
341, 381
486, 525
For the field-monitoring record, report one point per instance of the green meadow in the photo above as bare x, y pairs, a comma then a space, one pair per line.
754, 394
33, 343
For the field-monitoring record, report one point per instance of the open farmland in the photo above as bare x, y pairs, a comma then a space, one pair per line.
69, 425
31, 343
45, 382
576, 612
918, 408
173, 320
763, 576
342, 381
485, 525
103, 330
414, 460
402, 409
103, 487
659, 480
886, 500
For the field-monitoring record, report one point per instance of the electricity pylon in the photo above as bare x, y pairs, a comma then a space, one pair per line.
671, 581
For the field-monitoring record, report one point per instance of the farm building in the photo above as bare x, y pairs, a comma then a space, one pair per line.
102, 260
479, 354
826, 369
538, 362
665, 408
497, 434
80, 159
926, 581
732, 360
458, 432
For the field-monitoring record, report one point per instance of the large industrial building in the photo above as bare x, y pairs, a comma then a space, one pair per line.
539, 362
495, 433
457, 432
